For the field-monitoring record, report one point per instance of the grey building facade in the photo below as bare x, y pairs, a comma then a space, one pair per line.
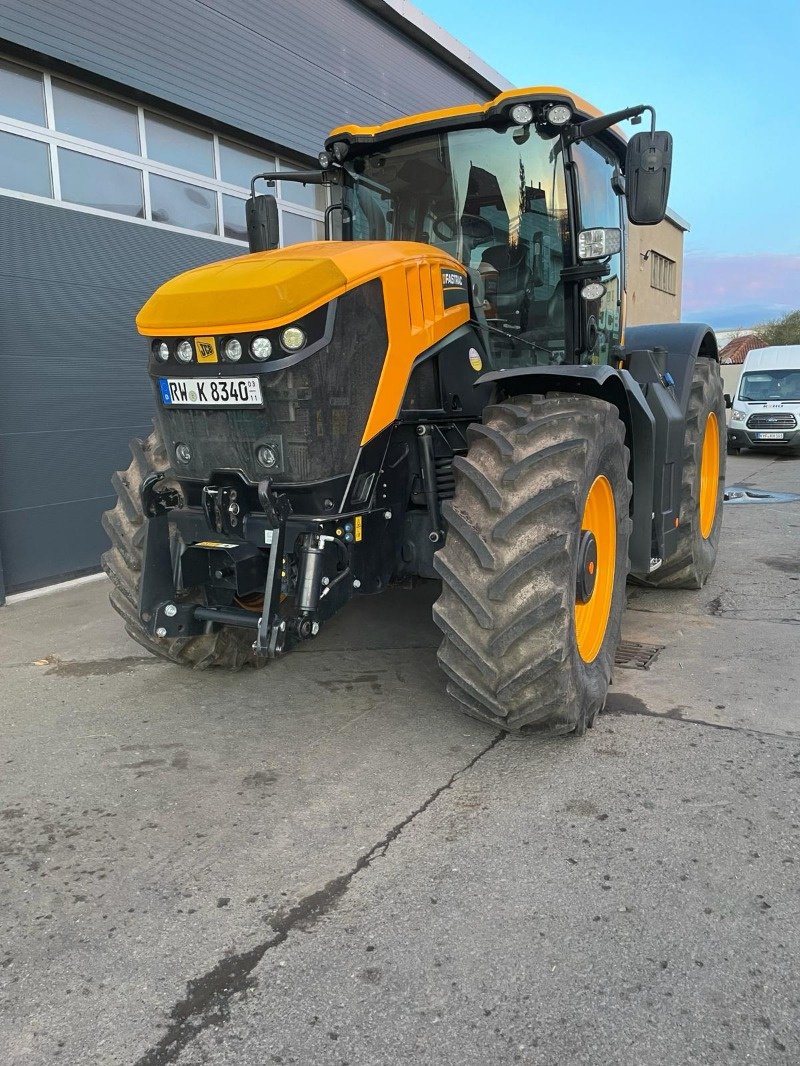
127, 137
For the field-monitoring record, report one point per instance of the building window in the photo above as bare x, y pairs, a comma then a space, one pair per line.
101, 184
181, 204
24, 165
299, 228
22, 93
95, 117
66, 143
662, 273
179, 145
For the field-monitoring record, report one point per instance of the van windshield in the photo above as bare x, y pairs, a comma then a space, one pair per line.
770, 385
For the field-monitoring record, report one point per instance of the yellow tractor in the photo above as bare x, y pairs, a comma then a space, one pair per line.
446, 390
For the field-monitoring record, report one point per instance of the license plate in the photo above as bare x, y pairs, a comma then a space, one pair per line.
210, 392
769, 436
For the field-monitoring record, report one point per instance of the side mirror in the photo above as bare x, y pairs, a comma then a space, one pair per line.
728, 401
648, 166
261, 213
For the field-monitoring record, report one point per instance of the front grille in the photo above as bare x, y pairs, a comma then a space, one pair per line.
776, 421
313, 414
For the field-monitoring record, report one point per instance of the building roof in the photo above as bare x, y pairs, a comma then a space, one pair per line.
736, 350
435, 39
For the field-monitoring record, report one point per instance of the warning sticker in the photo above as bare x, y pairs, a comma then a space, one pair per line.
212, 544
475, 360
357, 527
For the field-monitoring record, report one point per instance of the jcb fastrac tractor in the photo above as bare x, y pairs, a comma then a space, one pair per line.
445, 390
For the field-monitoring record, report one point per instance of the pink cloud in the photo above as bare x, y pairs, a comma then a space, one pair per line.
769, 282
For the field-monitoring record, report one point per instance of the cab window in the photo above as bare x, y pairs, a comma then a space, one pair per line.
599, 206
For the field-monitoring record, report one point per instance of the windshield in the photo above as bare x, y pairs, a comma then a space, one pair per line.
770, 385
495, 200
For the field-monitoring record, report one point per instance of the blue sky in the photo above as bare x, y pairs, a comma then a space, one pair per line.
724, 78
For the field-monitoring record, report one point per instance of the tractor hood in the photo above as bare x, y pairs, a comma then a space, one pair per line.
266, 289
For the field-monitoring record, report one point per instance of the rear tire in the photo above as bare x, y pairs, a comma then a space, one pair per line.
229, 648
509, 565
693, 560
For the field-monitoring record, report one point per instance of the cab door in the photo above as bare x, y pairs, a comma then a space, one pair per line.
599, 321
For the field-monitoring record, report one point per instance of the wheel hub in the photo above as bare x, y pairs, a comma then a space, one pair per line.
587, 566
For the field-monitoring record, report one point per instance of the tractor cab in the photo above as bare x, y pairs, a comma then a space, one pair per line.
526, 194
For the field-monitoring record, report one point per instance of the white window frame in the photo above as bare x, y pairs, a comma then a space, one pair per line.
54, 139
663, 273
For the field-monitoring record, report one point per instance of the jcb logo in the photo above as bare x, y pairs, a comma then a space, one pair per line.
206, 348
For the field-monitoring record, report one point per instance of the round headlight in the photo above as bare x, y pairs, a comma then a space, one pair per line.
593, 290
184, 351
340, 150
293, 338
232, 350
161, 350
324, 159
522, 114
261, 347
559, 115
267, 455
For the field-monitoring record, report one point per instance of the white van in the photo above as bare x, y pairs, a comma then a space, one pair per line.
766, 408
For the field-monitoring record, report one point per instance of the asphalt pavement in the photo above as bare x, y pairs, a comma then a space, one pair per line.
324, 862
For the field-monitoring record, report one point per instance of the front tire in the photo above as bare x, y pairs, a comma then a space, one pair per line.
539, 475
229, 648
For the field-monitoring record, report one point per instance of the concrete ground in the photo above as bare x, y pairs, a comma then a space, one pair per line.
324, 862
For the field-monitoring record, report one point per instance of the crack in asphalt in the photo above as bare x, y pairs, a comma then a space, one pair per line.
208, 998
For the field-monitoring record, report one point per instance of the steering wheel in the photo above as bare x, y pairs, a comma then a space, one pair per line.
472, 226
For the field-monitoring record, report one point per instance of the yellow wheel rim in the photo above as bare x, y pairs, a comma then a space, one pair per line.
591, 617
709, 476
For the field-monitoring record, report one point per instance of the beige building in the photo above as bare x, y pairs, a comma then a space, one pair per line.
655, 271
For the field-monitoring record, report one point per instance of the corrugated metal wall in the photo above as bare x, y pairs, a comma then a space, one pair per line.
284, 70
73, 381
73, 387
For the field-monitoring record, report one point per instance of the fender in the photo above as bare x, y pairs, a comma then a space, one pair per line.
683, 343
624, 392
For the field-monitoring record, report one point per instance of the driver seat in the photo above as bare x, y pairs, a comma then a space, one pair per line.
511, 265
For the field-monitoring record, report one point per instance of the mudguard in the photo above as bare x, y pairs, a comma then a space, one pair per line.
683, 342
650, 388
621, 389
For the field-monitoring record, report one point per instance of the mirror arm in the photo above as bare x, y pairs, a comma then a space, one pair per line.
592, 268
307, 177
597, 125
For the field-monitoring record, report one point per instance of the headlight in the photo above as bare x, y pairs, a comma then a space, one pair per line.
160, 350
267, 455
738, 416
261, 347
293, 338
184, 351
232, 350
558, 115
522, 114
